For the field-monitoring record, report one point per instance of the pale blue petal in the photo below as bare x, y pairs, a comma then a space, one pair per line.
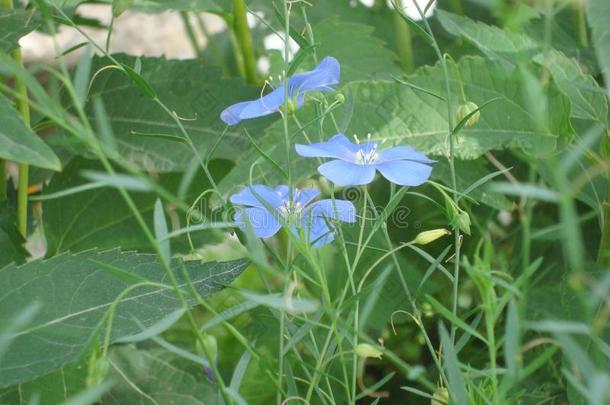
264, 223
317, 231
304, 196
341, 210
326, 74
404, 172
282, 191
265, 105
347, 174
333, 148
232, 114
402, 153
248, 196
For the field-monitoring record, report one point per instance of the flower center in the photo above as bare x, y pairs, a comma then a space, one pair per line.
367, 157
291, 210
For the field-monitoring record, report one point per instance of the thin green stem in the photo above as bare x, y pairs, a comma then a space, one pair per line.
24, 110
456, 231
581, 24
190, 33
240, 25
404, 44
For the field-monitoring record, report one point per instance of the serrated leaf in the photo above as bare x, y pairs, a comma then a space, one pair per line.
20, 144
194, 92
586, 96
399, 114
598, 15
366, 57
13, 25
493, 41
76, 293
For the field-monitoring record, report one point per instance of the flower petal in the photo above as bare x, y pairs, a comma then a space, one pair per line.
304, 196
326, 74
337, 147
232, 114
268, 104
347, 174
403, 153
404, 172
342, 210
317, 231
264, 223
248, 196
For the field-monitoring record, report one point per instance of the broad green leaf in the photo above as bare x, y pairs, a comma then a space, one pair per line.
99, 218
194, 92
587, 98
156, 376
13, 25
366, 57
20, 144
493, 41
76, 292
598, 15
399, 114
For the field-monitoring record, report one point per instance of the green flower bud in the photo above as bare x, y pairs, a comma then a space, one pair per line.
210, 344
465, 109
462, 222
425, 237
440, 397
365, 350
98, 372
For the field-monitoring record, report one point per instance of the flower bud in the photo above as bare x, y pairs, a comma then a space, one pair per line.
462, 222
210, 346
465, 109
97, 372
425, 237
440, 397
365, 350
339, 98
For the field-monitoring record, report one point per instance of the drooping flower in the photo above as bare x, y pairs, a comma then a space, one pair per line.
357, 163
267, 209
325, 75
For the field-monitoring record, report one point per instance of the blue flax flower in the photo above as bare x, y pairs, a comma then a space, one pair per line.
357, 163
320, 79
267, 209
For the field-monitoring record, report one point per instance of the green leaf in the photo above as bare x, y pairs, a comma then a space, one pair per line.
77, 293
598, 15
120, 6
99, 218
454, 319
20, 144
367, 57
398, 114
194, 92
13, 25
586, 96
156, 376
493, 41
